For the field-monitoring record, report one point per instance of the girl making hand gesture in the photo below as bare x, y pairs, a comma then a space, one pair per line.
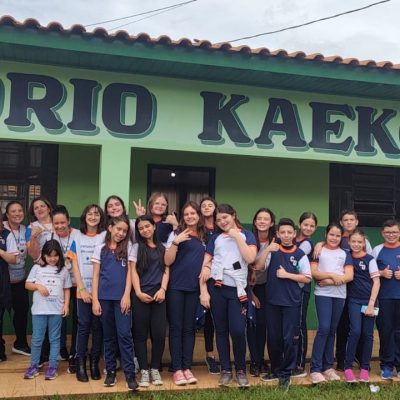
184, 256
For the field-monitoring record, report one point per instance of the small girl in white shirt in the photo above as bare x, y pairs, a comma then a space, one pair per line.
50, 284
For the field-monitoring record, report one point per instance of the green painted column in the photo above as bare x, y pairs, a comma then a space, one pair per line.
115, 171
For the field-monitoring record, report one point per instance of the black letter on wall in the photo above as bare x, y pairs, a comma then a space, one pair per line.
322, 127
114, 105
21, 101
289, 125
217, 115
368, 129
83, 105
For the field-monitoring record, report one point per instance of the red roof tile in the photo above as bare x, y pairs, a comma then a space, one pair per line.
165, 40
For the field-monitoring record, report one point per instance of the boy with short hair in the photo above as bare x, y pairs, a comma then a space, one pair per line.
349, 223
288, 269
387, 256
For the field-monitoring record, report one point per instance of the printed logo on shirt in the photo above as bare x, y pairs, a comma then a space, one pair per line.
293, 260
123, 262
362, 265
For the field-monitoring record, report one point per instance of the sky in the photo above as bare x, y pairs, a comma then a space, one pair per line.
368, 34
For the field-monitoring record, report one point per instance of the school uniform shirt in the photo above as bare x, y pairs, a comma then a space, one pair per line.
307, 246
44, 236
55, 282
226, 256
17, 270
332, 260
113, 272
387, 255
150, 281
365, 269
9, 246
345, 245
285, 292
85, 245
163, 231
185, 270
69, 248
210, 230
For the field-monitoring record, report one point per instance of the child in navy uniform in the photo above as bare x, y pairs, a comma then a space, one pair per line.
111, 298
184, 256
207, 208
288, 270
387, 256
150, 280
307, 225
264, 232
361, 291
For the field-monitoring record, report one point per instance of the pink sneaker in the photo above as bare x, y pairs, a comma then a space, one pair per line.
178, 378
364, 375
349, 376
190, 378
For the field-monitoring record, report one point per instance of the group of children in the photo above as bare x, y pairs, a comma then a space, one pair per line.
126, 279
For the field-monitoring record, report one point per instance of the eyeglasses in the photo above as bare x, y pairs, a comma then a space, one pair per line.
391, 233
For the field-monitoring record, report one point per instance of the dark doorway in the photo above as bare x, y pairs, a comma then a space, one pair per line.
181, 183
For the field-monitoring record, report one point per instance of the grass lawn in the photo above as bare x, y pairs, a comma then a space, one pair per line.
331, 391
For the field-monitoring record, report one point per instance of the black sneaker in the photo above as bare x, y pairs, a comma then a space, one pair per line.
265, 367
131, 383
284, 384
24, 350
64, 355
111, 379
269, 377
255, 370
340, 366
3, 357
299, 372
71, 365
213, 367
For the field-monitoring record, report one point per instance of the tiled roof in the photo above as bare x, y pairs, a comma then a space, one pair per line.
226, 47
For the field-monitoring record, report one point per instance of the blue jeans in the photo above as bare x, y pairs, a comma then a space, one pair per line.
388, 324
257, 335
303, 338
39, 325
329, 310
283, 326
229, 320
181, 309
88, 323
117, 327
361, 330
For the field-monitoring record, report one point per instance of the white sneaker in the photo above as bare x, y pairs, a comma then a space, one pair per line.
156, 377
317, 378
144, 378
331, 375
